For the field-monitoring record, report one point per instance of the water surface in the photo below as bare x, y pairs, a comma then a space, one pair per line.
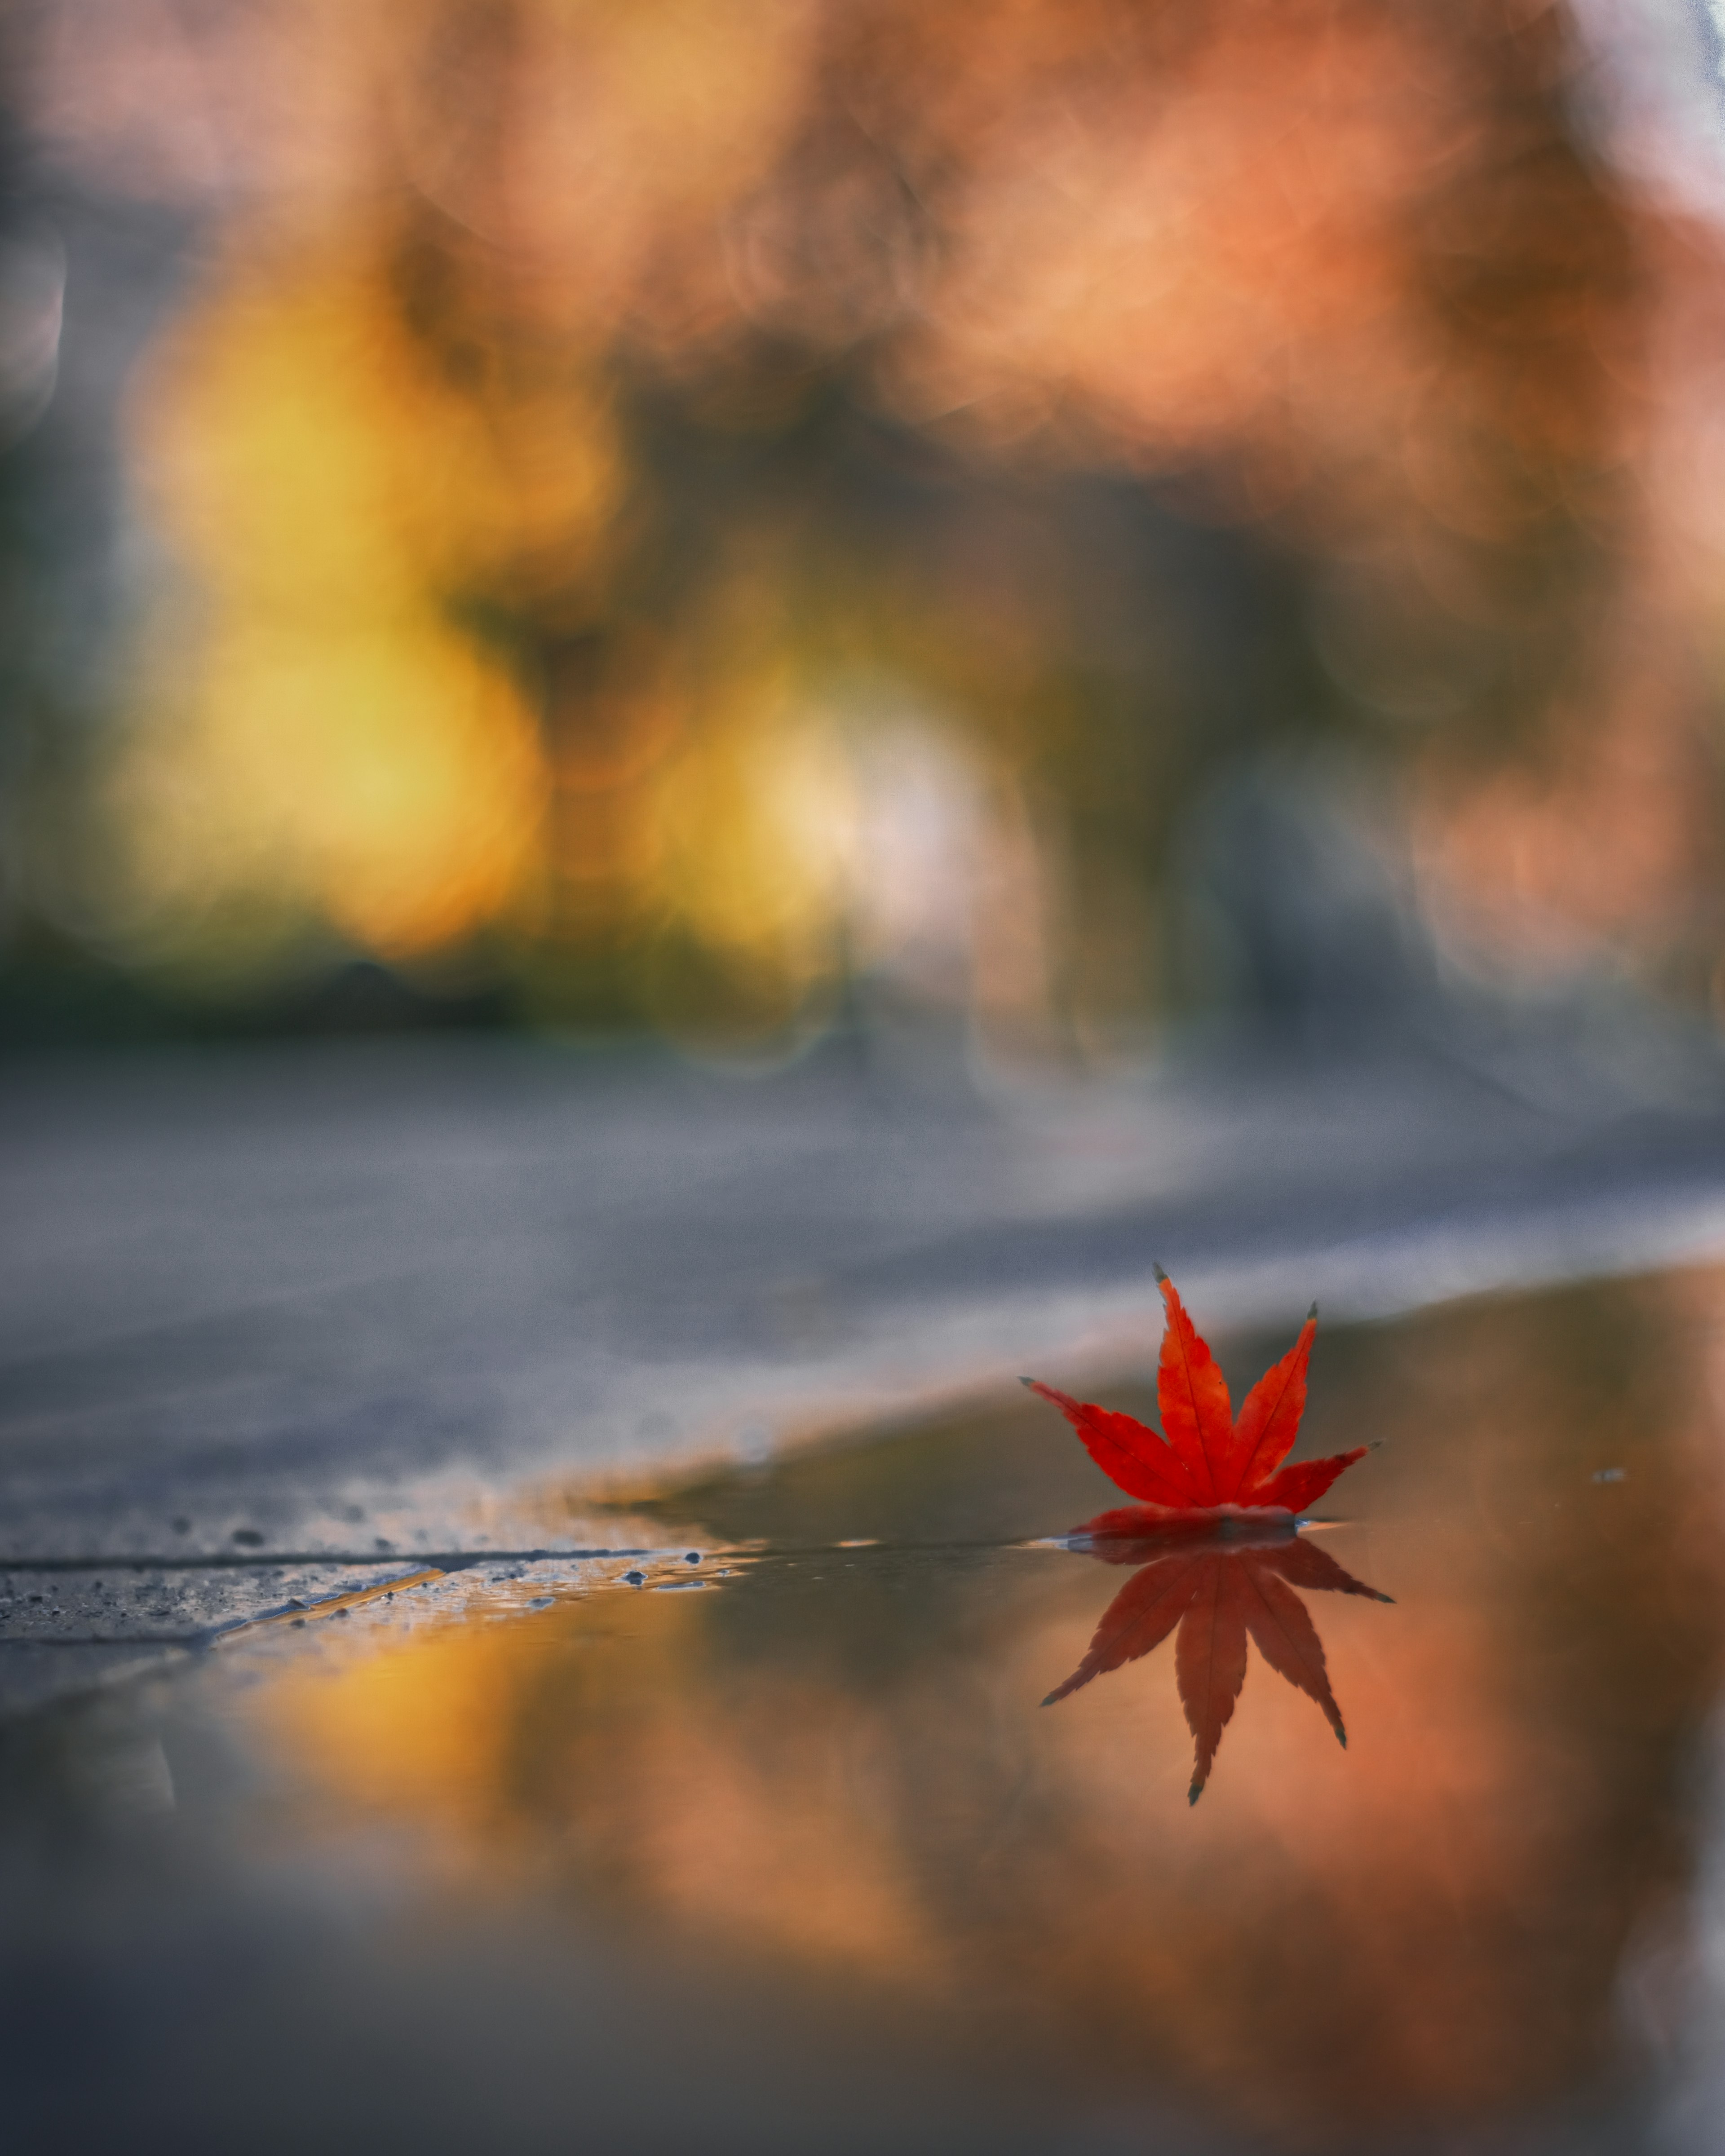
766, 1832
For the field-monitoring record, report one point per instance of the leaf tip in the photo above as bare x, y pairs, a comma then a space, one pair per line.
1194, 1793
1312, 1315
1161, 1276
1027, 1381
1341, 1736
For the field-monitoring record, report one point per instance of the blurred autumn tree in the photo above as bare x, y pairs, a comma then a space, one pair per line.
713, 515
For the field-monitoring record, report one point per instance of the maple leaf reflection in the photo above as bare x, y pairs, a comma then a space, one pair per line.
1218, 1589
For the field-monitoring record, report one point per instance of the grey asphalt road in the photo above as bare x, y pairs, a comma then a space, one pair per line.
272, 1316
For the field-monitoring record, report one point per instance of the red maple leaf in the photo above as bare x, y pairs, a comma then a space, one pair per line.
1219, 1595
1209, 1466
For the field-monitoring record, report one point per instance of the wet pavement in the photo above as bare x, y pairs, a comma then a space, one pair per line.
726, 1782
263, 1309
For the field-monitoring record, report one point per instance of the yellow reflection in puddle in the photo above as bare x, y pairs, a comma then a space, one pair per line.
588, 1744
839, 1759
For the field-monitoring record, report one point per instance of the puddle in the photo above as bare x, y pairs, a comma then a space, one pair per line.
848, 1805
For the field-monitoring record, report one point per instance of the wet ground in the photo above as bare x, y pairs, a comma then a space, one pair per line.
756, 1831
530, 1603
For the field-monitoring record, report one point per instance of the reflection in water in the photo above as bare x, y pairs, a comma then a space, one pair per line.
1218, 1593
832, 1762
